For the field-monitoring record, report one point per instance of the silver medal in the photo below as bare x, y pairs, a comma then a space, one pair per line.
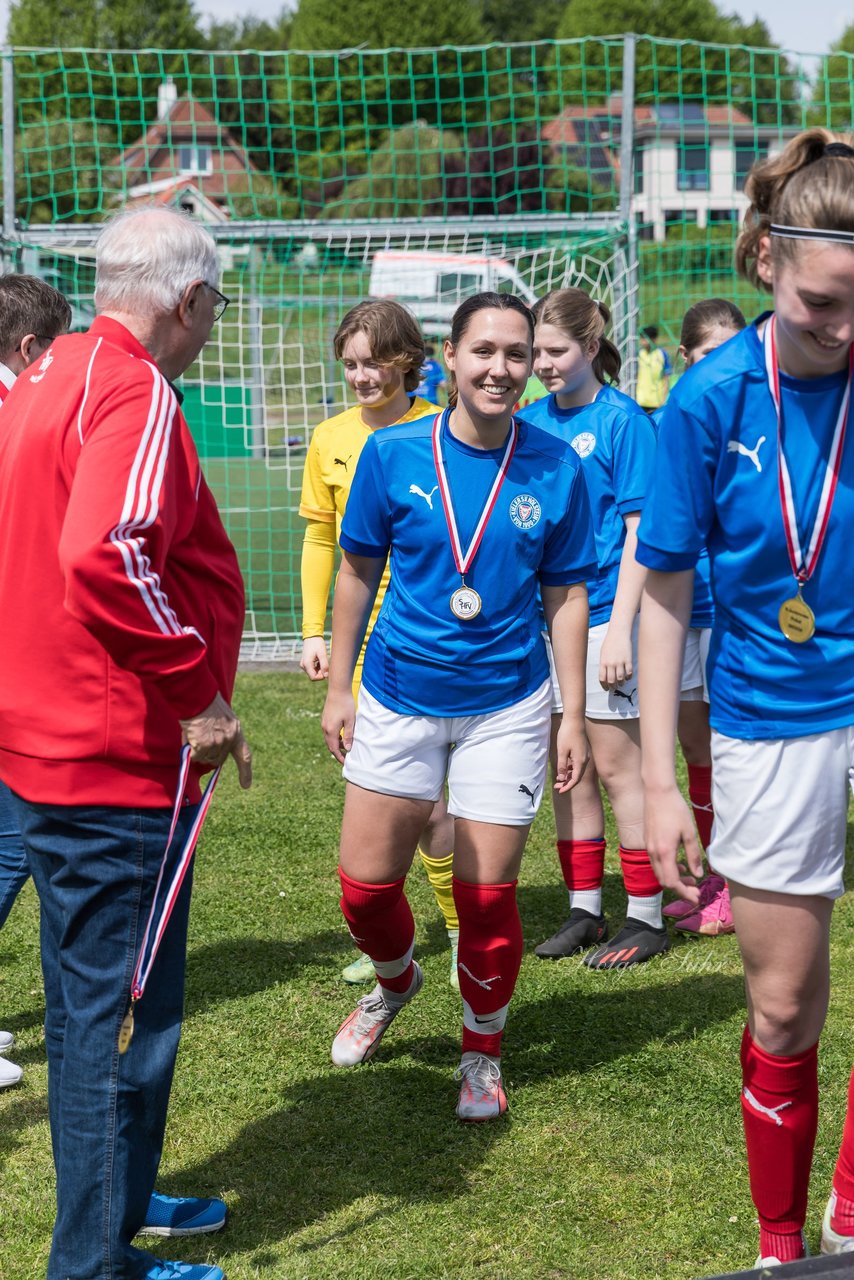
465, 603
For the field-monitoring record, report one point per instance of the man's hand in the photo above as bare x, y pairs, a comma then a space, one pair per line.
214, 735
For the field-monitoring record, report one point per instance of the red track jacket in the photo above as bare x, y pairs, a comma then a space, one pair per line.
121, 600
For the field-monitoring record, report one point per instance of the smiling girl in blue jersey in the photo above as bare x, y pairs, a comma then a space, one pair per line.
615, 441
479, 513
754, 461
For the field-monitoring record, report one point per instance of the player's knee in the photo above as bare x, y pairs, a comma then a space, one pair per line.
788, 1025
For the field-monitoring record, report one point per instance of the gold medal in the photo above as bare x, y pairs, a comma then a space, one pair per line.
796, 619
465, 603
126, 1030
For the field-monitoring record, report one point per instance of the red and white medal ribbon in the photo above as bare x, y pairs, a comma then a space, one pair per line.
156, 925
463, 559
804, 562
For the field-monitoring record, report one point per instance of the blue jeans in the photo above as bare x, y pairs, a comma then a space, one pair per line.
13, 856
95, 870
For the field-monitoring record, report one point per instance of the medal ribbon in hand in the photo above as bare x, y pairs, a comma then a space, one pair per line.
157, 922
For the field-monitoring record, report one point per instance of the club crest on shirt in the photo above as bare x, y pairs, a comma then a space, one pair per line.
584, 443
525, 511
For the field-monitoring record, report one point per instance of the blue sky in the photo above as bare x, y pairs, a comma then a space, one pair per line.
804, 26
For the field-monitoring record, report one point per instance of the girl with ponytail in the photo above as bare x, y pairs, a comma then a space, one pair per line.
615, 442
756, 461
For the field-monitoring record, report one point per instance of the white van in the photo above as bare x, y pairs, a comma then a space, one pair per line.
432, 285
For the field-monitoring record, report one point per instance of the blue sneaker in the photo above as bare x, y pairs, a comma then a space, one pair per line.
182, 1216
160, 1270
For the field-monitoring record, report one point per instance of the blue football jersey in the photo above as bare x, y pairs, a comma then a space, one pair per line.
615, 441
715, 484
421, 659
702, 605
432, 377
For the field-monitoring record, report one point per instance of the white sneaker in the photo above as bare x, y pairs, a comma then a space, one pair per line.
832, 1241
767, 1262
9, 1073
7, 1040
482, 1094
359, 1035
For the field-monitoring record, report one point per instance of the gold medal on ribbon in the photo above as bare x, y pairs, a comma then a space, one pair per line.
796, 619
126, 1030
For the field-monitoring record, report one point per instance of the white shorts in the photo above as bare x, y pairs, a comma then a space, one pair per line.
620, 703
781, 809
694, 686
495, 763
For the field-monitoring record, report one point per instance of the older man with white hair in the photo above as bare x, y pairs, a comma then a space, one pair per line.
121, 610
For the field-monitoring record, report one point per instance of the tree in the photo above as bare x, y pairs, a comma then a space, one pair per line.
404, 178
507, 21
707, 63
58, 173
105, 24
384, 67
833, 97
377, 24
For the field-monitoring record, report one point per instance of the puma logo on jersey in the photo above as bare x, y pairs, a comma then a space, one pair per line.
487, 984
735, 446
342, 462
428, 497
765, 1111
527, 792
629, 697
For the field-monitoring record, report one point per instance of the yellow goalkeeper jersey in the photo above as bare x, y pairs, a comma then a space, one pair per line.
329, 468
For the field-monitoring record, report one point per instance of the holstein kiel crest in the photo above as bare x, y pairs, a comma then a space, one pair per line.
525, 511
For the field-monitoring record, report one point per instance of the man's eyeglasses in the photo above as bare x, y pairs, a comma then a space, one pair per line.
45, 339
221, 302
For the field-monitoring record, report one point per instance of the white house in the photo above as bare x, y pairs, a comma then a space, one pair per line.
690, 159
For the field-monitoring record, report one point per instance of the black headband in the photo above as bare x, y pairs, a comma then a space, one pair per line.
818, 233
837, 149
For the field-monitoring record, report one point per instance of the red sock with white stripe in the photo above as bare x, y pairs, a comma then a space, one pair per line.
490, 956
381, 924
700, 795
583, 865
779, 1105
842, 1198
642, 887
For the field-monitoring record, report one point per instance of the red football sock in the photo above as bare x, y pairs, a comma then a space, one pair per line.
381, 925
842, 1209
489, 959
700, 792
638, 876
779, 1105
582, 863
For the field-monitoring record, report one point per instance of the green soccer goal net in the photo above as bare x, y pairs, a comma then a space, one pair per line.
615, 164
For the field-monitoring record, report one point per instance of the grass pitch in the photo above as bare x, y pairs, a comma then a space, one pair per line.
621, 1156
